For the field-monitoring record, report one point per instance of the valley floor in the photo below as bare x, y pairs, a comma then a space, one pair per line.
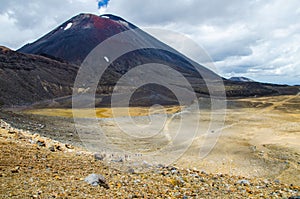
259, 144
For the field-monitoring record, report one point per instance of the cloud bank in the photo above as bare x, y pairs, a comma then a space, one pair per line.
23, 22
257, 39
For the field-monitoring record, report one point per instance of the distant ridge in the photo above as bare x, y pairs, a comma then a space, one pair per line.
241, 79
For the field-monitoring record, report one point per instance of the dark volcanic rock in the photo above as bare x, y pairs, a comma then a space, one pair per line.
25, 79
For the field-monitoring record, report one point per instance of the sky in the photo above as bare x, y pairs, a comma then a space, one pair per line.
258, 39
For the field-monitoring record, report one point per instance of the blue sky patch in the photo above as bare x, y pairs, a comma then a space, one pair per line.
102, 3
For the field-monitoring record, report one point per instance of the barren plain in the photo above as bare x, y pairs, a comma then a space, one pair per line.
259, 142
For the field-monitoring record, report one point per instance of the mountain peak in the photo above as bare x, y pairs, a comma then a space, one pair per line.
87, 21
75, 38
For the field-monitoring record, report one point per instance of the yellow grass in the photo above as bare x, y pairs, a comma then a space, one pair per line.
103, 112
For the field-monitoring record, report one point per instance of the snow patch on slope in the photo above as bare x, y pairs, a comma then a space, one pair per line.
106, 59
69, 25
124, 23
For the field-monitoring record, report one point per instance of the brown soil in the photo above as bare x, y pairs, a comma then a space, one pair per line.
37, 167
259, 144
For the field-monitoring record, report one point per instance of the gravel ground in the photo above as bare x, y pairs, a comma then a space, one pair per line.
33, 166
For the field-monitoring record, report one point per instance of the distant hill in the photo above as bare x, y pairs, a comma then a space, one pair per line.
241, 79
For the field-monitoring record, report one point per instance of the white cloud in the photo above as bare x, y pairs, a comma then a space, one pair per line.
25, 22
257, 39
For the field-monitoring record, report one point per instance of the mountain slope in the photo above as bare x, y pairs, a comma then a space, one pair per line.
25, 79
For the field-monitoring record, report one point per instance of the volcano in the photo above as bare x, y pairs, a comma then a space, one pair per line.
68, 45
75, 38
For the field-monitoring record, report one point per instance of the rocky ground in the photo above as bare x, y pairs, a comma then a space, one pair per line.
33, 166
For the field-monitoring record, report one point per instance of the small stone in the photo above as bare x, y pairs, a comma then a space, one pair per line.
41, 143
277, 181
57, 177
146, 164
165, 173
160, 166
36, 135
96, 179
41, 126
253, 148
201, 179
174, 171
243, 182
15, 170
52, 148
266, 181
203, 172
98, 156
58, 147
68, 146
120, 160
55, 148
131, 171
294, 197
12, 132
